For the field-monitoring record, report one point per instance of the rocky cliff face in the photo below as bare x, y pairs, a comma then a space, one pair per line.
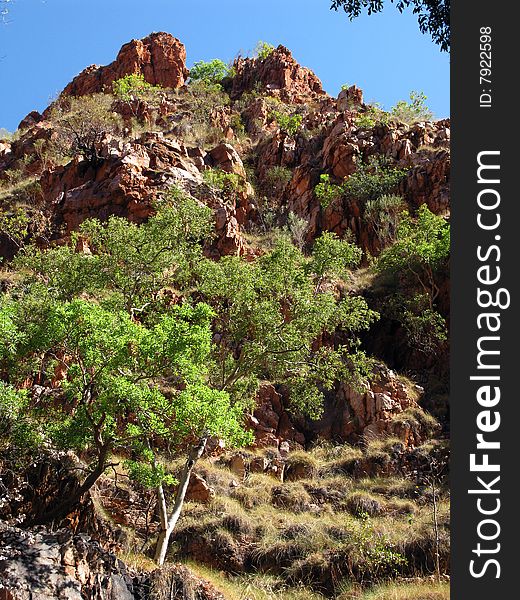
173, 141
160, 58
136, 170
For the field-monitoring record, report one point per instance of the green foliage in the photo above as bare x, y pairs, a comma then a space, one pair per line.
365, 121
413, 111
289, 124
15, 427
132, 87
372, 180
333, 257
15, 225
368, 183
421, 249
212, 72
433, 17
373, 115
425, 328
270, 312
380, 557
128, 265
222, 181
262, 50
112, 369
327, 192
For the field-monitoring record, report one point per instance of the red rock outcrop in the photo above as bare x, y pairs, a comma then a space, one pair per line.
131, 177
279, 75
420, 149
350, 415
159, 57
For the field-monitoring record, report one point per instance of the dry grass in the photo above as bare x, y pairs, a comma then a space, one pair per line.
252, 587
408, 591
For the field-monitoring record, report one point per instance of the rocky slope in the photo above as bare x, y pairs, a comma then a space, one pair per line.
173, 139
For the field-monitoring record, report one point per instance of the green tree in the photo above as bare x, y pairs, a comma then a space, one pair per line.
123, 330
263, 50
271, 313
125, 387
288, 124
421, 249
132, 87
127, 266
433, 15
212, 72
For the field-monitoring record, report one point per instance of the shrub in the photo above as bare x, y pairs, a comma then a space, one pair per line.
425, 328
297, 227
373, 179
288, 124
383, 216
421, 249
370, 181
373, 115
327, 192
212, 72
15, 225
262, 50
275, 180
362, 503
133, 87
83, 122
229, 183
413, 111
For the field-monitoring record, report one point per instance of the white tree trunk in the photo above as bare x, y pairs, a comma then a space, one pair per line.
168, 522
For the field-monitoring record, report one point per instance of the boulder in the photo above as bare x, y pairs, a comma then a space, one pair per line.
198, 490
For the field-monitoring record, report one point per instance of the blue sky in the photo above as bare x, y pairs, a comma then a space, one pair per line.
45, 43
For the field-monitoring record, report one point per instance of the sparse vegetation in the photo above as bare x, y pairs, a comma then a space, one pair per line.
383, 214
262, 50
83, 122
413, 111
370, 182
135, 87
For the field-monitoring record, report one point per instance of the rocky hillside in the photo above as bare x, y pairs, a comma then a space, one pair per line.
348, 502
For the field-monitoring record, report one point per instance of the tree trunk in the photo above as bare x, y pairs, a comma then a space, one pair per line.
168, 522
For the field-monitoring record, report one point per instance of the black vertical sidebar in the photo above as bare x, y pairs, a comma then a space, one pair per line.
485, 523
